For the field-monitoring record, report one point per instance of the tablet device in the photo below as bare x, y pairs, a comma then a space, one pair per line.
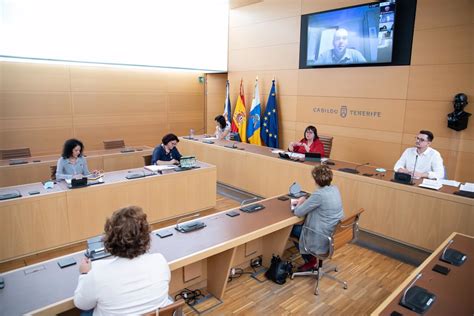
33, 192
66, 262
441, 269
315, 157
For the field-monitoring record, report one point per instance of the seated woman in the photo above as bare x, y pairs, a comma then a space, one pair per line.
133, 282
323, 210
166, 153
309, 144
72, 164
222, 128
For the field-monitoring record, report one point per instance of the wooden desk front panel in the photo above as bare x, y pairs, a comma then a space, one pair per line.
39, 222
160, 196
35, 223
412, 215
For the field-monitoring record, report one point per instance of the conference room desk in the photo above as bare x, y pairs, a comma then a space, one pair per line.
38, 168
410, 214
61, 216
45, 289
454, 291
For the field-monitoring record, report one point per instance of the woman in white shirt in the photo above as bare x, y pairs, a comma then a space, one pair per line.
133, 281
222, 128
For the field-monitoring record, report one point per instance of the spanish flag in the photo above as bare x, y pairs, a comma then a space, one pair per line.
239, 119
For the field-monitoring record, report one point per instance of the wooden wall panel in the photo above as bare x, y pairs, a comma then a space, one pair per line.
264, 11
40, 141
449, 45
118, 103
33, 77
440, 82
33, 104
379, 114
279, 57
286, 81
440, 13
361, 82
432, 115
283, 31
215, 100
42, 105
310, 6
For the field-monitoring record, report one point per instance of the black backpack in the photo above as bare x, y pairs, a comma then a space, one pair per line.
279, 270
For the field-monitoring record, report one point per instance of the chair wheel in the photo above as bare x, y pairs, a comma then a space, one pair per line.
336, 269
345, 286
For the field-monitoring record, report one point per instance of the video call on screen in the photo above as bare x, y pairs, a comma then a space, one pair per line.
355, 35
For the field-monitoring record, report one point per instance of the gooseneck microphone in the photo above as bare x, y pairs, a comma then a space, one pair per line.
446, 248
414, 168
409, 287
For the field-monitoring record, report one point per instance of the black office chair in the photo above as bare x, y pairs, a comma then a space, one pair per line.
346, 231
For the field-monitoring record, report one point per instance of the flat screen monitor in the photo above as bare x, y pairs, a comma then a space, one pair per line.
362, 35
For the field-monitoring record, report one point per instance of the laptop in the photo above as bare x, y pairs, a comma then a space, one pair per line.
314, 157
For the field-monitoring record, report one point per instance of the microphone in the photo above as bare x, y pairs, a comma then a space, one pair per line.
446, 248
409, 287
414, 168
248, 200
184, 219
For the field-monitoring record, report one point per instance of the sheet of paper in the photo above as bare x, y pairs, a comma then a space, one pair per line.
452, 183
431, 184
467, 187
156, 168
276, 151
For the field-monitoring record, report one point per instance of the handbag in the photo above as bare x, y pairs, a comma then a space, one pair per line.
279, 270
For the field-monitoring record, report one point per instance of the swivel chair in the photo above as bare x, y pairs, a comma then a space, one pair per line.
346, 231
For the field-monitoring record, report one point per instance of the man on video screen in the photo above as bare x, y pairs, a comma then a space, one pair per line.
340, 54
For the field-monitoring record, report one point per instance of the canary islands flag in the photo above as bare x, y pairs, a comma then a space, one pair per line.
227, 107
239, 119
253, 128
270, 120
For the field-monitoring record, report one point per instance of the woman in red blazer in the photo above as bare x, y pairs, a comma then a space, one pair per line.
309, 144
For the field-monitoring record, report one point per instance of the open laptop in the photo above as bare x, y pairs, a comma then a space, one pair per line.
314, 157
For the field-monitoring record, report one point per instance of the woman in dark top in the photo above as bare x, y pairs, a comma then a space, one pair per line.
166, 153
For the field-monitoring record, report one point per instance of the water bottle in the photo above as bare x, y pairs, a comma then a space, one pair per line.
191, 133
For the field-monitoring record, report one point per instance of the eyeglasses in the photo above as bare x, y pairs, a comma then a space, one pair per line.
421, 139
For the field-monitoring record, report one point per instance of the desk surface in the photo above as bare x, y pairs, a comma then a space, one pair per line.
407, 213
88, 154
45, 284
386, 176
38, 168
454, 292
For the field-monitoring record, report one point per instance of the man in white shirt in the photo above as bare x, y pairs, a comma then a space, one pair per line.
421, 161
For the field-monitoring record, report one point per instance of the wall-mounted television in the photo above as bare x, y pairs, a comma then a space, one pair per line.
372, 34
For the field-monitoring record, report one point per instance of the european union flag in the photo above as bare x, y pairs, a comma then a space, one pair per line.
270, 120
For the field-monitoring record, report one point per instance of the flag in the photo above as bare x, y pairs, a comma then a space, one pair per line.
239, 119
270, 120
227, 107
253, 128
